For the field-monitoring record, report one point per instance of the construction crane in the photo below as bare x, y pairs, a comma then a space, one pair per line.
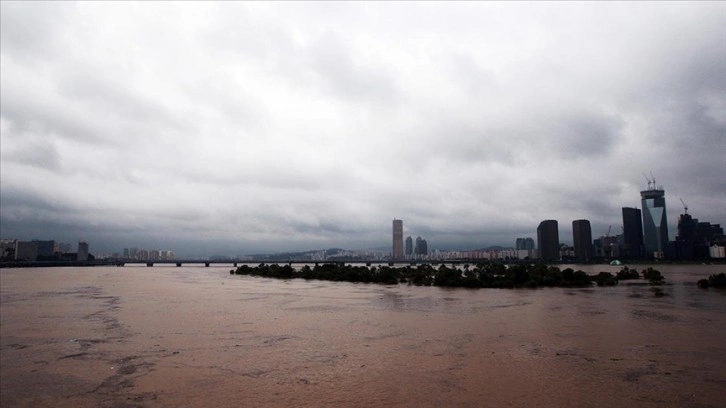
650, 181
608, 234
685, 207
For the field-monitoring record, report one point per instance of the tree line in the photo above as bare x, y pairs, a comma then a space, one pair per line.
481, 275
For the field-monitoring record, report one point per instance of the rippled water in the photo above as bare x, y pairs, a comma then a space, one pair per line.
195, 336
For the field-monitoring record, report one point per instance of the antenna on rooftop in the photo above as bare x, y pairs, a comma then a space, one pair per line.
653, 179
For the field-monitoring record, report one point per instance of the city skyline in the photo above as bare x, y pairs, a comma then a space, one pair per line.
234, 128
635, 241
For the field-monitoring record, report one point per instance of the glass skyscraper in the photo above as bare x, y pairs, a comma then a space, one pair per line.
655, 222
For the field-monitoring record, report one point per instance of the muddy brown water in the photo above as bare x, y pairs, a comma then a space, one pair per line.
199, 337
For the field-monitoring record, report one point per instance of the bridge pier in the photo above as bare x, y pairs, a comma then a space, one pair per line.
206, 264
149, 264
178, 264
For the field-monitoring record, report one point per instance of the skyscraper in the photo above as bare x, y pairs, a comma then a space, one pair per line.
409, 246
632, 233
82, 251
655, 221
582, 240
525, 243
397, 239
548, 240
421, 248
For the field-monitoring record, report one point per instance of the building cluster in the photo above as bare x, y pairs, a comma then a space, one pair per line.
418, 249
38, 250
644, 236
139, 254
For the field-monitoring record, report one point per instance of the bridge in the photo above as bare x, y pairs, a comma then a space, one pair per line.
231, 262
236, 262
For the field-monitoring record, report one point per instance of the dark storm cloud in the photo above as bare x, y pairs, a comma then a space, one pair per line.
255, 126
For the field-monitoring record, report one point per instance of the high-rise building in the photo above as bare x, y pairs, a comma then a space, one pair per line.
632, 233
582, 240
82, 250
409, 246
548, 240
694, 238
46, 250
397, 239
26, 250
655, 221
525, 243
421, 248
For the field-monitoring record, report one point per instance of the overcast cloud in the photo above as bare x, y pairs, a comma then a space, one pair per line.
233, 128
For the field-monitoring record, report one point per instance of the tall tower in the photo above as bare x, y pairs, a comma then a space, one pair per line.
582, 240
548, 240
409, 246
655, 225
397, 253
632, 233
82, 251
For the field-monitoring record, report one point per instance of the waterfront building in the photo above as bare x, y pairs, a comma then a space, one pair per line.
717, 251
655, 221
397, 253
46, 250
26, 250
607, 247
548, 240
82, 250
695, 238
409, 246
632, 233
7, 249
167, 255
582, 240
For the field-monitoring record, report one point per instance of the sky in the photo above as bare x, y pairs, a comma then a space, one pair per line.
234, 128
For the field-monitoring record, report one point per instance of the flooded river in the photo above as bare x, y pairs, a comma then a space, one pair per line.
200, 337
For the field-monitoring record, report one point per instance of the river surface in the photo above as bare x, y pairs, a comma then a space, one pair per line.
200, 337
